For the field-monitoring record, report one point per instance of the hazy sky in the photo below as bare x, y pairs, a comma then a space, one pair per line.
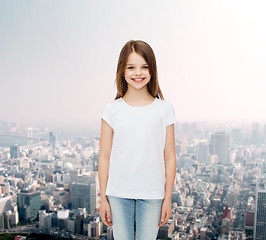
58, 58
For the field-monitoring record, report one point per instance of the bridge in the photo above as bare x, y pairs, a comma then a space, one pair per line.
22, 137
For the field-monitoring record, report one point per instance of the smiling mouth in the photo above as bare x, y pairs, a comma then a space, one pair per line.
138, 79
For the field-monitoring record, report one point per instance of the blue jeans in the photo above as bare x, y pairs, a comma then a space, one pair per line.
126, 211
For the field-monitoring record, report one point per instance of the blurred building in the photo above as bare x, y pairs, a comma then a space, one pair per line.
5, 204
14, 151
46, 220
8, 213
52, 138
83, 195
260, 212
62, 219
29, 204
219, 145
255, 134
202, 152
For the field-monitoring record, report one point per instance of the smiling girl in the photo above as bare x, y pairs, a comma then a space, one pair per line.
137, 162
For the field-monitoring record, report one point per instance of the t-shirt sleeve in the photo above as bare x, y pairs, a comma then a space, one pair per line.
170, 115
106, 114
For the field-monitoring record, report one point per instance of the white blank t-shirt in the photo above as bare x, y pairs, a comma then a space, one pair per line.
137, 167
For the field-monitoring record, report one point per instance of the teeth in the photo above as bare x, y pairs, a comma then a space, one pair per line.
137, 79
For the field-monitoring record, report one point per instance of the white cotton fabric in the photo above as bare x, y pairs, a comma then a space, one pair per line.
137, 167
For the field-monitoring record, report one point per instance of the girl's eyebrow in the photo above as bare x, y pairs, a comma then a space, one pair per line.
133, 64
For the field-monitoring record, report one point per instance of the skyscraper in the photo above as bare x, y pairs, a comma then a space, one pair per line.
219, 145
14, 151
29, 204
255, 134
53, 139
202, 152
5, 204
260, 212
83, 195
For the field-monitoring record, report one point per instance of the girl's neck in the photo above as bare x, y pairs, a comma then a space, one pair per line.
135, 95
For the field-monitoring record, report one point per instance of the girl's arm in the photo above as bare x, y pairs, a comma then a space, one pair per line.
106, 139
169, 161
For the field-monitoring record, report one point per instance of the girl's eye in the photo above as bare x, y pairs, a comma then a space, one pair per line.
145, 67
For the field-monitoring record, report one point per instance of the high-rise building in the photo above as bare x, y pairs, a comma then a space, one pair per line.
255, 134
8, 212
74, 173
62, 218
5, 204
202, 152
45, 220
260, 212
52, 139
83, 195
14, 151
29, 204
219, 145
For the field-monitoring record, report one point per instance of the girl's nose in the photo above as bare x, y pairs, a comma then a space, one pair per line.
138, 71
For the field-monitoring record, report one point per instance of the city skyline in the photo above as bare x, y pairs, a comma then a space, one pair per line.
59, 60
52, 186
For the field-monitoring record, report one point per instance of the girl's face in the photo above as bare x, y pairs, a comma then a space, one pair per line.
137, 72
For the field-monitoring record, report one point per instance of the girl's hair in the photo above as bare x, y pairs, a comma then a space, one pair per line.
142, 48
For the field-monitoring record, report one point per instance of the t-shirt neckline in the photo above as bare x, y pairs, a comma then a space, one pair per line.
138, 106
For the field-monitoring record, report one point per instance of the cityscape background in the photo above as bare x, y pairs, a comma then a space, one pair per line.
58, 62
48, 186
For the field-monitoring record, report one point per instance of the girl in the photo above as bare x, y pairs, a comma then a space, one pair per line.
137, 164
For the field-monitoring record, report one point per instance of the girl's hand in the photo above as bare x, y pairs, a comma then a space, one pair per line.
166, 212
105, 212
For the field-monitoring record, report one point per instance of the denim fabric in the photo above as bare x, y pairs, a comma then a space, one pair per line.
146, 213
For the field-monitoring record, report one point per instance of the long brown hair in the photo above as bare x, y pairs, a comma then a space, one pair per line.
142, 48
